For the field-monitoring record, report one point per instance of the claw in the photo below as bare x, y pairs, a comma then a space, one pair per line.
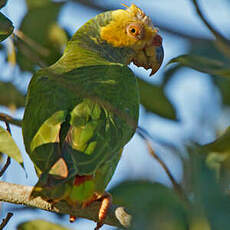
72, 218
106, 201
105, 204
99, 225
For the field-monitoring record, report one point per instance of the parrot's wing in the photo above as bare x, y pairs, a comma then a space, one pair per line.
83, 117
46, 109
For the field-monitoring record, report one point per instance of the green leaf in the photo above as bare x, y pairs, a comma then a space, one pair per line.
40, 225
152, 205
10, 96
221, 144
203, 64
210, 200
218, 152
223, 85
36, 4
2, 3
6, 27
207, 48
8, 146
43, 39
155, 101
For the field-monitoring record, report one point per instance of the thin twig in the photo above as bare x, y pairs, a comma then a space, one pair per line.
8, 127
8, 158
30, 53
30, 42
9, 119
157, 139
5, 166
6, 220
176, 186
207, 23
225, 48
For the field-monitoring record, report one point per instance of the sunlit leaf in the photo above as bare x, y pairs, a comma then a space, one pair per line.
40, 225
11, 53
221, 144
152, 205
199, 222
8, 146
41, 39
218, 152
203, 64
10, 96
6, 27
155, 101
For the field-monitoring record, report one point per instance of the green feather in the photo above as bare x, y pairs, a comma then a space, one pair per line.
83, 110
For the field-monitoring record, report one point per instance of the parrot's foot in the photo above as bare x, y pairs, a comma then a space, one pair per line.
72, 219
106, 201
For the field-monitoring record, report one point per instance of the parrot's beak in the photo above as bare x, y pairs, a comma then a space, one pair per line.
151, 56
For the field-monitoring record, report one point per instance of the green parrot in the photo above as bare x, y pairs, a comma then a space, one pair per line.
81, 111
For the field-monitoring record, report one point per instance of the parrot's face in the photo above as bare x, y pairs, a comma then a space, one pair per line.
131, 28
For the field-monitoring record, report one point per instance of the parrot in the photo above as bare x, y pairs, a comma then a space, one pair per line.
82, 110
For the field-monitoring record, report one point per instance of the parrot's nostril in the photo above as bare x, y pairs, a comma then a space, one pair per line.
157, 40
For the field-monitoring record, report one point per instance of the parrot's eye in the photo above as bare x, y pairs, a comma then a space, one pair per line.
135, 30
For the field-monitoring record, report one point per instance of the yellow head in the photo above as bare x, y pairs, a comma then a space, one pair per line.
132, 28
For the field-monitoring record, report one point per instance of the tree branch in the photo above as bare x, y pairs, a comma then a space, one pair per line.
9, 119
178, 189
176, 186
6, 220
5, 166
8, 158
31, 43
19, 194
224, 43
216, 33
